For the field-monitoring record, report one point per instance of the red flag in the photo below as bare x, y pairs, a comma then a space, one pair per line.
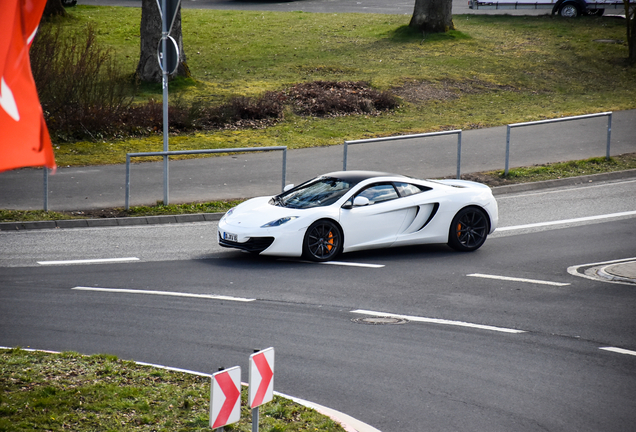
24, 137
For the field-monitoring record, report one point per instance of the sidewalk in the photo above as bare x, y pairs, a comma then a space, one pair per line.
254, 174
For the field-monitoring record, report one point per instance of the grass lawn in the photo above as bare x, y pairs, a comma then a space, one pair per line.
492, 70
68, 391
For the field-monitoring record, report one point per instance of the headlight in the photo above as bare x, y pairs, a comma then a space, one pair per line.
279, 222
228, 213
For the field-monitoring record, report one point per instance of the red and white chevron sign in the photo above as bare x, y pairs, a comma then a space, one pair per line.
261, 388
225, 397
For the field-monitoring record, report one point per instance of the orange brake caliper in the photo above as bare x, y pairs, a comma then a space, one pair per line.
330, 241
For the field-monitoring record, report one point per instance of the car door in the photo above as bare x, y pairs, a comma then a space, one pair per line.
377, 223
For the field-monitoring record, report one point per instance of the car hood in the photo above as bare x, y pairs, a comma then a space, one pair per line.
256, 212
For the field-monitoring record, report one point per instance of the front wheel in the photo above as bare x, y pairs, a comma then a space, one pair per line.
323, 241
468, 230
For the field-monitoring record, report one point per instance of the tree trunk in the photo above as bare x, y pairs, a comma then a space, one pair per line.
150, 31
630, 18
432, 16
53, 8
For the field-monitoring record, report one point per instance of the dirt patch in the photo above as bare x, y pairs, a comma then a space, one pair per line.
423, 91
330, 98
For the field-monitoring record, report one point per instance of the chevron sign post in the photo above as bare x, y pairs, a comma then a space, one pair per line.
261, 385
225, 397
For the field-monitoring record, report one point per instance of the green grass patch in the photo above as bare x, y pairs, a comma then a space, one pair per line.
495, 69
559, 170
137, 211
68, 391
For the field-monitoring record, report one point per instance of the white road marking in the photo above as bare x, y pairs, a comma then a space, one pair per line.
619, 350
352, 264
437, 321
338, 263
514, 279
566, 221
89, 261
165, 293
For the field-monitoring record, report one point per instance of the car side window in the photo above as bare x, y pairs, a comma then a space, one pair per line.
379, 193
406, 189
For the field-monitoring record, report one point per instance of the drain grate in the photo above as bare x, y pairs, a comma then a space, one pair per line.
379, 320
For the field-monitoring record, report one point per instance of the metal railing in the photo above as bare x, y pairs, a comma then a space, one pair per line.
194, 152
564, 119
403, 137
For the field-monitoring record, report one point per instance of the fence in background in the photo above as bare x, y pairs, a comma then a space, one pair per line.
564, 119
404, 137
208, 151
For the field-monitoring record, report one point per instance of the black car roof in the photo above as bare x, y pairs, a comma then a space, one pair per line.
358, 176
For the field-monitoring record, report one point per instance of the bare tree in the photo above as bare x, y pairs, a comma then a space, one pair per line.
150, 31
432, 16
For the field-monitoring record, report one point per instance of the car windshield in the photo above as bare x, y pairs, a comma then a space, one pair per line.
320, 192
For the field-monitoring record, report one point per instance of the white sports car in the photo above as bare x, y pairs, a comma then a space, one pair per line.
354, 210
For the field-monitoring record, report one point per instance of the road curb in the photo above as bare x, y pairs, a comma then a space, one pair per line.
207, 217
569, 181
110, 222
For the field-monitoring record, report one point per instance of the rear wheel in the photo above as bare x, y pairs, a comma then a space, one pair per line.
569, 10
323, 241
469, 229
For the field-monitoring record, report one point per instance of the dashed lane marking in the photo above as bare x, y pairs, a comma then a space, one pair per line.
514, 279
437, 321
89, 261
164, 293
619, 350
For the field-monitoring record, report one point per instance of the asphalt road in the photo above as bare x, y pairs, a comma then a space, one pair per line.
417, 376
320, 6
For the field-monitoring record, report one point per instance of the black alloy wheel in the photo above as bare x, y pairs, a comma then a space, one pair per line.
468, 230
323, 241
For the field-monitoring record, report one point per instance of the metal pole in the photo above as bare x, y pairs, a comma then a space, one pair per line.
507, 150
609, 135
127, 182
459, 154
46, 189
255, 419
164, 61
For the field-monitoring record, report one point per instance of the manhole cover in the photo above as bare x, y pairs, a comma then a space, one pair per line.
379, 320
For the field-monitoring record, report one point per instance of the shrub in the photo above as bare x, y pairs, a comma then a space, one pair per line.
82, 92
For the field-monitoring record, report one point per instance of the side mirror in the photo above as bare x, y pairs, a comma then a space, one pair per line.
360, 201
288, 187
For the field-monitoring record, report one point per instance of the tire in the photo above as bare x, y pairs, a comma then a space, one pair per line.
569, 10
469, 229
323, 241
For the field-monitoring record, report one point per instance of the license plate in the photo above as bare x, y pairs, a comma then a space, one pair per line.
230, 237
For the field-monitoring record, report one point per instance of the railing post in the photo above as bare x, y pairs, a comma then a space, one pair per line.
127, 182
284, 169
46, 189
609, 135
459, 154
344, 157
507, 150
